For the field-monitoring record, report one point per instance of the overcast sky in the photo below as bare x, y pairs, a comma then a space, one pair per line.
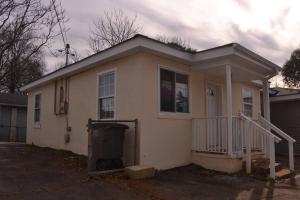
268, 27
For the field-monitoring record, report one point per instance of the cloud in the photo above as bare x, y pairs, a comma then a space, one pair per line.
253, 38
268, 27
245, 4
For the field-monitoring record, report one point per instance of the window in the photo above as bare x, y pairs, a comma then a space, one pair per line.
247, 102
37, 108
106, 98
174, 92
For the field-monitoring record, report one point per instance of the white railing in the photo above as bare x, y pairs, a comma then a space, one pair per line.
253, 130
238, 139
209, 134
269, 126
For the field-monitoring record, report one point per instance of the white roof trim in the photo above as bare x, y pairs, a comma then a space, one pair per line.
141, 43
285, 98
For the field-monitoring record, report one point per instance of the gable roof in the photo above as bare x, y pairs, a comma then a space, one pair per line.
13, 99
144, 43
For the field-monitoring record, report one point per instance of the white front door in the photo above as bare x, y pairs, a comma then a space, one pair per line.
215, 121
214, 100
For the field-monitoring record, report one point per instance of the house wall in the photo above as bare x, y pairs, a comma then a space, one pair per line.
83, 105
164, 138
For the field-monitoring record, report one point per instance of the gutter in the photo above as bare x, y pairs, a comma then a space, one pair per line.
255, 56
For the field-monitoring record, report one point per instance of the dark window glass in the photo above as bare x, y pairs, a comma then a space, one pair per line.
167, 91
182, 93
37, 108
174, 96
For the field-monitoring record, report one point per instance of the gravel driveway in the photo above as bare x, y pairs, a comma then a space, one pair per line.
28, 172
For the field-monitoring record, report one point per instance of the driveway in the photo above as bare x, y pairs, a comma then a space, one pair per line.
37, 173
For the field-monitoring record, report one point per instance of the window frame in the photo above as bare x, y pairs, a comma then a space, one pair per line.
114, 70
175, 114
37, 124
247, 103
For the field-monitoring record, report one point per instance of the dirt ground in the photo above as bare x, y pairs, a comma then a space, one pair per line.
28, 172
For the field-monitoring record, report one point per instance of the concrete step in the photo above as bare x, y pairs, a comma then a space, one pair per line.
139, 172
261, 166
263, 163
283, 173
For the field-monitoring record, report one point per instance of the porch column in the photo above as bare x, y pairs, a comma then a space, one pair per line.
266, 100
266, 104
229, 108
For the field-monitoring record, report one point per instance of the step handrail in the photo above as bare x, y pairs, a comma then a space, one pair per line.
277, 130
265, 131
271, 138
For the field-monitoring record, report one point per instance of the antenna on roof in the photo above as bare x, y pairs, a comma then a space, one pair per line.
63, 34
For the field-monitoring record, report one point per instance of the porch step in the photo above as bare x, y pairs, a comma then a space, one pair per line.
264, 164
283, 173
261, 167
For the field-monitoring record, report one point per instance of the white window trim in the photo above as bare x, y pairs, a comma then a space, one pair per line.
174, 115
247, 103
115, 93
37, 124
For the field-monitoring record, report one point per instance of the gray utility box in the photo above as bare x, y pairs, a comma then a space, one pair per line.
107, 146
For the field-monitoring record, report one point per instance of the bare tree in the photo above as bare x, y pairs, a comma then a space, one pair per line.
114, 27
176, 42
26, 26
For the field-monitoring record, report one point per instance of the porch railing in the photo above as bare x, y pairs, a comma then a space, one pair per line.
210, 135
253, 130
269, 126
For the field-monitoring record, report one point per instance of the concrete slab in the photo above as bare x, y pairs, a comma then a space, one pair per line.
140, 172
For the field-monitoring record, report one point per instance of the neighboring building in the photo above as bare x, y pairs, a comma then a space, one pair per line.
187, 104
13, 114
285, 114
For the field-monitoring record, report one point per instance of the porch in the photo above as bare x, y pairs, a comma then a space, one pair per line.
223, 140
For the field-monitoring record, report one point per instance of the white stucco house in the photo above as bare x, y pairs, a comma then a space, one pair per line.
201, 107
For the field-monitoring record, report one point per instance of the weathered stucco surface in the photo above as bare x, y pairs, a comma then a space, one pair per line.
164, 139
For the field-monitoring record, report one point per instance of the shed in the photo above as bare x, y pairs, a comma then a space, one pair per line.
285, 114
13, 112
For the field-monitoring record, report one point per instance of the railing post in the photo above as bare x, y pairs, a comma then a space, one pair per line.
291, 156
272, 157
266, 104
248, 147
90, 164
229, 108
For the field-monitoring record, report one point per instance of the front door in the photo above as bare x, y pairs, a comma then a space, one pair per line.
215, 120
214, 100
